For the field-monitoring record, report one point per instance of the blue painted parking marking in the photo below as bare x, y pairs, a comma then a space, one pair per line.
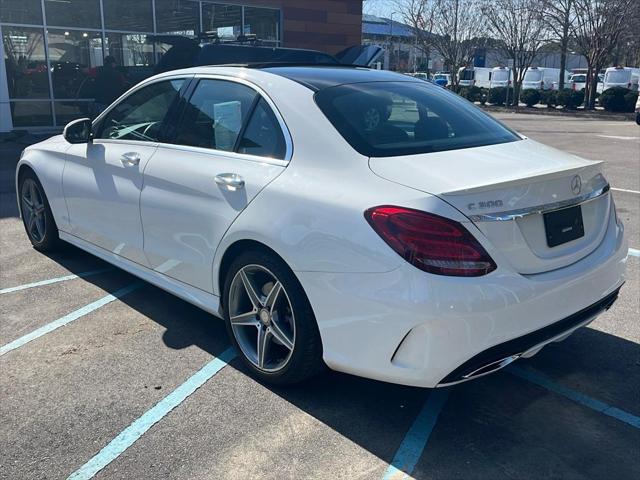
54, 280
577, 397
417, 437
140, 426
76, 314
635, 252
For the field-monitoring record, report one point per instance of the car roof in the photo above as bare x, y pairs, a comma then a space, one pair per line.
321, 77
316, 77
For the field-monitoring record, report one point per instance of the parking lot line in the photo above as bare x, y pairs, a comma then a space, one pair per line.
417, 437
70, 317
635, 252
577, 397
140, 426
54, 280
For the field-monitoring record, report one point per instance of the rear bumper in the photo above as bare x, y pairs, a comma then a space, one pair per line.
499, 356
409, 327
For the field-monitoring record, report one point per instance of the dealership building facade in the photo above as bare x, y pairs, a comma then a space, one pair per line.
53, 48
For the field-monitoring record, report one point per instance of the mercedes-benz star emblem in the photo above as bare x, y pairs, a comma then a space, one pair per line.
576, 185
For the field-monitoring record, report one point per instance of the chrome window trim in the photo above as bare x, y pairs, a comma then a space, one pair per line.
224, 154
549, 207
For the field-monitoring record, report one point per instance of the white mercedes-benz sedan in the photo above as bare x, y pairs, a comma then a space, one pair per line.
344, 217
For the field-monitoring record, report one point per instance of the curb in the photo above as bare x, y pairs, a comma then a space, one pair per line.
620, 117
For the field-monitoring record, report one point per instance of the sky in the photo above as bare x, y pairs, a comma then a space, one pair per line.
381, 8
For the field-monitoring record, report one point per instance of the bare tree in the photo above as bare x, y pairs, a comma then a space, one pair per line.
418, 14
451, 27
598, 28
457, 32
520, 30
559, 17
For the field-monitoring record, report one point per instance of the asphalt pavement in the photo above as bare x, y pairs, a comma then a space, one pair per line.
135, 383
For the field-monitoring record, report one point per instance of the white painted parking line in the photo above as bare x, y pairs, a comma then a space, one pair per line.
618, 137
417, 437
576, 396
54, 280
624, 190
76, 314
140, 426
635, 252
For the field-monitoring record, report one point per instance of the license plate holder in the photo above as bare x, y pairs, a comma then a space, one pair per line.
562, 226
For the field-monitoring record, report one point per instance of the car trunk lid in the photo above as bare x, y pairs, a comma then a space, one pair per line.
507, 189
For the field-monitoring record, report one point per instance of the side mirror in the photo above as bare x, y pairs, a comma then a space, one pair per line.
78, 131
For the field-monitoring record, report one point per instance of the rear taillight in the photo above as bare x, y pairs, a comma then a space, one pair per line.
429, 242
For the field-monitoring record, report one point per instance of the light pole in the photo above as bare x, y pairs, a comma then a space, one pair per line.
391, 48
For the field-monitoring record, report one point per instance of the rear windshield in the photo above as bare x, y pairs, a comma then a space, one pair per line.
384, 119
579, 78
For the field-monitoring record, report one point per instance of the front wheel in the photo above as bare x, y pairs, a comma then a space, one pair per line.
270, 320
36, 214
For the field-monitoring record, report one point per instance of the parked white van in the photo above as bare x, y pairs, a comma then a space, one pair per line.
625, 77
500, 77
539, 78
474, 76
578, 81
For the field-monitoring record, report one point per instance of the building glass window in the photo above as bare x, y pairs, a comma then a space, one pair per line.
180, 17
73, 57
263, 22
131, 16
134, 56
25, 61
54, 82
225, 20
21, 11
73, 13
66, 111
31, 114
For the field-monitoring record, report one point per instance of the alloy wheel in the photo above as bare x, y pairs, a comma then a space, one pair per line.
33, 210
262, 318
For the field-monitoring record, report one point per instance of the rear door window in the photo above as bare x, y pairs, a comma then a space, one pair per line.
263, 136
214, 115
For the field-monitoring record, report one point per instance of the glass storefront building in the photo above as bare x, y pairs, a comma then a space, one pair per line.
52, 49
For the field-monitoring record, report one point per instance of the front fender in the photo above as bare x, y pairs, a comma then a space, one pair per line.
47, 160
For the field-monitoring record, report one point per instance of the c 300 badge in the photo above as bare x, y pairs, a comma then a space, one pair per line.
483, 205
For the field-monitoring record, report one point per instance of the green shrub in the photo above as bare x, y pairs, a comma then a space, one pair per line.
473, 94
484, 92
613, 100
630, 100
569, 99
530, 97
549, 98
498, 95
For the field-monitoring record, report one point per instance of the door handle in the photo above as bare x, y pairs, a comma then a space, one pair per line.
130, 159
232, 181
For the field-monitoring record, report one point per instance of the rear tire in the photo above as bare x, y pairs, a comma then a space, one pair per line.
37, 217
276, 315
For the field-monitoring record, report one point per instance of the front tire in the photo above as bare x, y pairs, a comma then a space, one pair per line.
270, 321
37, 217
